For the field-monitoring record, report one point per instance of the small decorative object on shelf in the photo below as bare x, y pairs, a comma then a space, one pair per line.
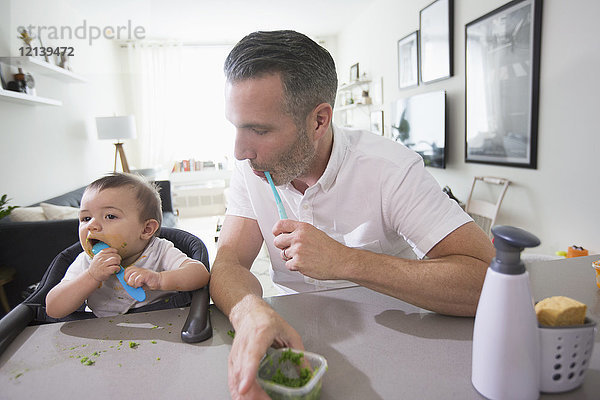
365, 99
25, 37
354, 73
29, 84
64, 62
18, 85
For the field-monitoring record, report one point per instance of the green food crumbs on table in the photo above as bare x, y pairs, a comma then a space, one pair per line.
157, 358
231, 333
133, 345
87, 361
20, 374
153, 342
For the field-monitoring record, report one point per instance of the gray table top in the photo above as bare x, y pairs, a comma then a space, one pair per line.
377, 347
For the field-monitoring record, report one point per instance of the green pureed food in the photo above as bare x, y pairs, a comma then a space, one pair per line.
288, 374
296, 358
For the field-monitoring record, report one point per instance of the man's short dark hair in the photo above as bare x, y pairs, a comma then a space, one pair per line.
146, 193
307, 70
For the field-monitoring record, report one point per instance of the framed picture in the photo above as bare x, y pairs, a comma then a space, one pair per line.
354, 73
408, 61
377, 122
502, 85
436, 24
2, 81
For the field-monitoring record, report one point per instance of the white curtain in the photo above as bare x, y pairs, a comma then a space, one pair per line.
178, 101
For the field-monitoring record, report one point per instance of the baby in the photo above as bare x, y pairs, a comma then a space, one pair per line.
123, 211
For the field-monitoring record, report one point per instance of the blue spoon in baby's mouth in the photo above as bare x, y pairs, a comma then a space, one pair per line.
136, 293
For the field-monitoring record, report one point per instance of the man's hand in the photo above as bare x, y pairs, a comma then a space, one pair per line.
105, 264
257, 327
310, 251
136, 277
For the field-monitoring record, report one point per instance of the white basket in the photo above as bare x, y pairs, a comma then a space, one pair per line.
566, 352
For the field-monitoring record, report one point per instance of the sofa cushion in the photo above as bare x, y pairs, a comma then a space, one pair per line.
54, 212
27, 214
71, 199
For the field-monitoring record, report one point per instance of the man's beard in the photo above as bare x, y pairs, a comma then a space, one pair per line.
294, 162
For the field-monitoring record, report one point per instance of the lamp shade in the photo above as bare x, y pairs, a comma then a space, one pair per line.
116, 127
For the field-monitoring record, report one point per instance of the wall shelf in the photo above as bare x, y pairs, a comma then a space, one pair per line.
352, 93
351, 85
23, 98
36, 66
351, 106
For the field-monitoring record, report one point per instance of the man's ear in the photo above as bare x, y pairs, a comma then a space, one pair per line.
321, 119
150, 227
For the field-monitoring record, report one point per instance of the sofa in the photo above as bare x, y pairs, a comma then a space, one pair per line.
29, 246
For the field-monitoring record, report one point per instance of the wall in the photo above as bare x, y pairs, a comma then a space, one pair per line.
46, 150
49, 150
558, 201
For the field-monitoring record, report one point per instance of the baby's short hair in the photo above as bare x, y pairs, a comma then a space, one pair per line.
147, 193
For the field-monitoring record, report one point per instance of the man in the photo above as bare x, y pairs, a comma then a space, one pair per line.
360, 207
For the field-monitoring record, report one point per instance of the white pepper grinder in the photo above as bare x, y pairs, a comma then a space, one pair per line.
506, 347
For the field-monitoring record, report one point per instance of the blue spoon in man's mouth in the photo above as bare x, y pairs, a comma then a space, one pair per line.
280, 208
136, 293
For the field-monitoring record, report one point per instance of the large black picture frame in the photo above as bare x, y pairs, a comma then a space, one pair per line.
502, 73
436, 47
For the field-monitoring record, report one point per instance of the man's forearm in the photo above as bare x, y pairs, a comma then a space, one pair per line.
447, 285
230, 282
448, 282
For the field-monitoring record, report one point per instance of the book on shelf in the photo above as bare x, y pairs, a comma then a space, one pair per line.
193, 165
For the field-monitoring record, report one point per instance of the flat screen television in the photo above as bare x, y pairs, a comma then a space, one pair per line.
419, 122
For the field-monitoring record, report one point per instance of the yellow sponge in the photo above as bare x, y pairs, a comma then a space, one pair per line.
560, 311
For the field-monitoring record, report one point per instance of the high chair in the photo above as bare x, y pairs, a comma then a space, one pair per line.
32, 311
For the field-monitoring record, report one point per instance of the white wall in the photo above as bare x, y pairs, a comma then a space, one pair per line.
558, 201
45, 150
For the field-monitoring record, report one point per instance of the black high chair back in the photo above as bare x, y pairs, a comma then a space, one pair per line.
32, 311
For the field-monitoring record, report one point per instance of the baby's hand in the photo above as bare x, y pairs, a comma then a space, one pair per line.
136, 277
105, 264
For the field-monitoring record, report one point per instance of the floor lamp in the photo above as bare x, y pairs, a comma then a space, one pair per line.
117, 128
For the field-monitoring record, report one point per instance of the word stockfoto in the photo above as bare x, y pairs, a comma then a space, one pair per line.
83, 31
